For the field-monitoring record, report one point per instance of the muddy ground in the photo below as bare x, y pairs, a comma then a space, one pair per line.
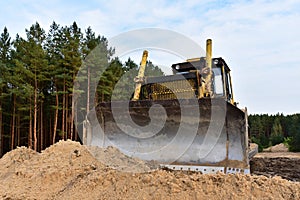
284, 164
68, 170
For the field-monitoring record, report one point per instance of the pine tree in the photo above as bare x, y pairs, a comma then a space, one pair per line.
5, 49
32, 63
153, 70
294, 132
55, 58
96, 59
277, 133
71, 52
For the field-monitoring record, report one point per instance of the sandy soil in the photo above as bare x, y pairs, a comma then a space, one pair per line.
278, 155
277, 148
277, 161
67, 170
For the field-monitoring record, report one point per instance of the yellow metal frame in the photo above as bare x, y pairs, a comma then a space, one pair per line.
140, 77
224, 81
232, 99
205, 89
208, 79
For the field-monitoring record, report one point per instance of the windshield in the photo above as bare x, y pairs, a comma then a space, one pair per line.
218, 81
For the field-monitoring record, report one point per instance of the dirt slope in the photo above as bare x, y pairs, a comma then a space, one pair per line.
67, 170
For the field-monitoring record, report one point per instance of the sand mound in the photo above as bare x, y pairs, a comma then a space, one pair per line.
113, 158
277, 148
16, 156
67, 170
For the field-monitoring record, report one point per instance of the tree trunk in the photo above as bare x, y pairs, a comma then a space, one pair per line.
41, 127
49, 134
30, 126
55, 119
88, 90
63, 111
18, 129
12, 144
67, 117
72, 117
1, 138
35, 117
73, 99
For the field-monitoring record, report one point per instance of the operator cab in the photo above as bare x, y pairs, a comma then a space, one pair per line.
192, 72
221, 79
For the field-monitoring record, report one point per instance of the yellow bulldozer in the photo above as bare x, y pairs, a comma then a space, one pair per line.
185, 121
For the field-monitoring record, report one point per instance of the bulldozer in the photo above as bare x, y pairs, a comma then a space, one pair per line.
185, 121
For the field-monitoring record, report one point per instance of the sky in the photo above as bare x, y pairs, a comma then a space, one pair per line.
259, 39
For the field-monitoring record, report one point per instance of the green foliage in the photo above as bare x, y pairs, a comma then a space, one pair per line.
37, 75
124, 85
5, 59
109, 79
294, 143
258, 142
262, 141
287, 140
266, 130
152, 70
276, 136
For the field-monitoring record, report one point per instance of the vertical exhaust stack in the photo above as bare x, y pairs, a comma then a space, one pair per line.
140, 76
208, 79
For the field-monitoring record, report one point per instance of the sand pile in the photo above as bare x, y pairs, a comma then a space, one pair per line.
113, 158
277, 148
67, 170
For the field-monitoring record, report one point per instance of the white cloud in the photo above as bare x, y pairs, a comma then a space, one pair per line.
258, 38
261, 42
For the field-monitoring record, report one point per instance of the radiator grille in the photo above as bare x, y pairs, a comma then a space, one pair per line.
180, 89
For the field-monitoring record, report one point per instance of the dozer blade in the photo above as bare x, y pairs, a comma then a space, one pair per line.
207, 135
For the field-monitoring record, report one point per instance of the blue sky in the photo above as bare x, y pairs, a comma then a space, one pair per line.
258, 39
